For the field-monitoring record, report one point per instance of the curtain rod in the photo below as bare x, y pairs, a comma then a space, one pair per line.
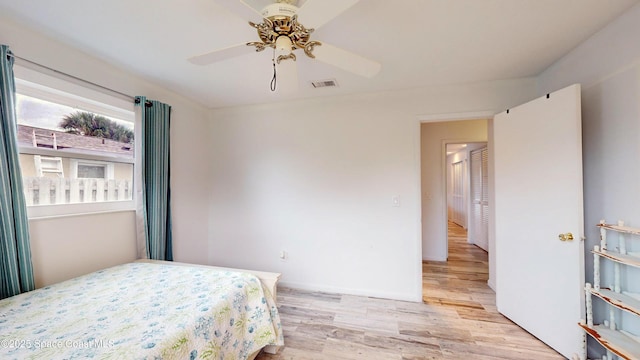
120, 94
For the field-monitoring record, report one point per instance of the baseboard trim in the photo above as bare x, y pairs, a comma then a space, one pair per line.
349, 291
491, 284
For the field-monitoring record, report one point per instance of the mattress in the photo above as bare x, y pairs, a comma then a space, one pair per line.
142, 311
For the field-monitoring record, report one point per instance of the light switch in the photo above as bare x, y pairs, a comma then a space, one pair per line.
395, 200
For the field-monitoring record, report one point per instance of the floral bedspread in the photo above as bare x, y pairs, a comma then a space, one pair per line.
142, 311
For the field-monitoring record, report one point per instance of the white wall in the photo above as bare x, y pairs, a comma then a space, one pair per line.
316, 178
61, 245
434, 218
608, 67
59, 253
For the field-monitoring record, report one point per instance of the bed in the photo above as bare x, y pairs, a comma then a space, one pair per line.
145, 310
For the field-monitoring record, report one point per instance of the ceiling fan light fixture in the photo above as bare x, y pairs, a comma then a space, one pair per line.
281, 30
284, 49
284, 44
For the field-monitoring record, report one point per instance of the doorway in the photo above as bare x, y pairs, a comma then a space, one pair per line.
434, 137
435, 133
466, 168
457, 173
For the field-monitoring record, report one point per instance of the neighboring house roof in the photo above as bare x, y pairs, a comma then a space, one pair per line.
66, 141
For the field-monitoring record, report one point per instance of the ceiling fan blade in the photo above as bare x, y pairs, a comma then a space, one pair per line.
221, 54
287, 77
346, 60
242, 9
315, 13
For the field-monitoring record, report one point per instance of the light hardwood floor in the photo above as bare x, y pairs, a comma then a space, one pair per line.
458, 319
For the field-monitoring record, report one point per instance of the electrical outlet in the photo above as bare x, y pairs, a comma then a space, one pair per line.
283, 255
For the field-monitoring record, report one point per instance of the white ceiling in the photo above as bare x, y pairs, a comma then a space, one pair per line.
454, 148
418, 42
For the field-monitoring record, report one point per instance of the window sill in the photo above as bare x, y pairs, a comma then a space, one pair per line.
54, 211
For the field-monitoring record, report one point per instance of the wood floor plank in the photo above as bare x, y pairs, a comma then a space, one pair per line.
340, 349
458, 319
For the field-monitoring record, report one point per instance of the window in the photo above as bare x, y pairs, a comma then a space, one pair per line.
76, 153
87, 169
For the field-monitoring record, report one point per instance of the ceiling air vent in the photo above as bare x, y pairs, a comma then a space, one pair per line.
324, 83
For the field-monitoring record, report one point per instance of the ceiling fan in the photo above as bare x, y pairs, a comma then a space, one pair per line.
285, 28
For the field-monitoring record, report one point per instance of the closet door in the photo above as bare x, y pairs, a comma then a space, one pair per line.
484, 238
479, 199
457, 196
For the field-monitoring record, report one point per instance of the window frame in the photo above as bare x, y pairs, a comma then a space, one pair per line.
30, 82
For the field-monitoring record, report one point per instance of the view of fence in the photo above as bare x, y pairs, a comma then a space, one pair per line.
49, 191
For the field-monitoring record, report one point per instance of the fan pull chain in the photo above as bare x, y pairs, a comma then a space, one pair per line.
274, 81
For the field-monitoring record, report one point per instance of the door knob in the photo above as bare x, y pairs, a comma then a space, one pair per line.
565, 237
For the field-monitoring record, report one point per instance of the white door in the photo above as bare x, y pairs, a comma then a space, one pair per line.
479, 198
484, 243
457, 193
538, 195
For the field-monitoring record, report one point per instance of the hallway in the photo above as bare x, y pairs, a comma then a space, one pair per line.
467, 306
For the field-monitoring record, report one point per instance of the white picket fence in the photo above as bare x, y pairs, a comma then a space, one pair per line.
49, 191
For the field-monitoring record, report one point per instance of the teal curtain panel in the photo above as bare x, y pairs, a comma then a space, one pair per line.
16, 270
156, 194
